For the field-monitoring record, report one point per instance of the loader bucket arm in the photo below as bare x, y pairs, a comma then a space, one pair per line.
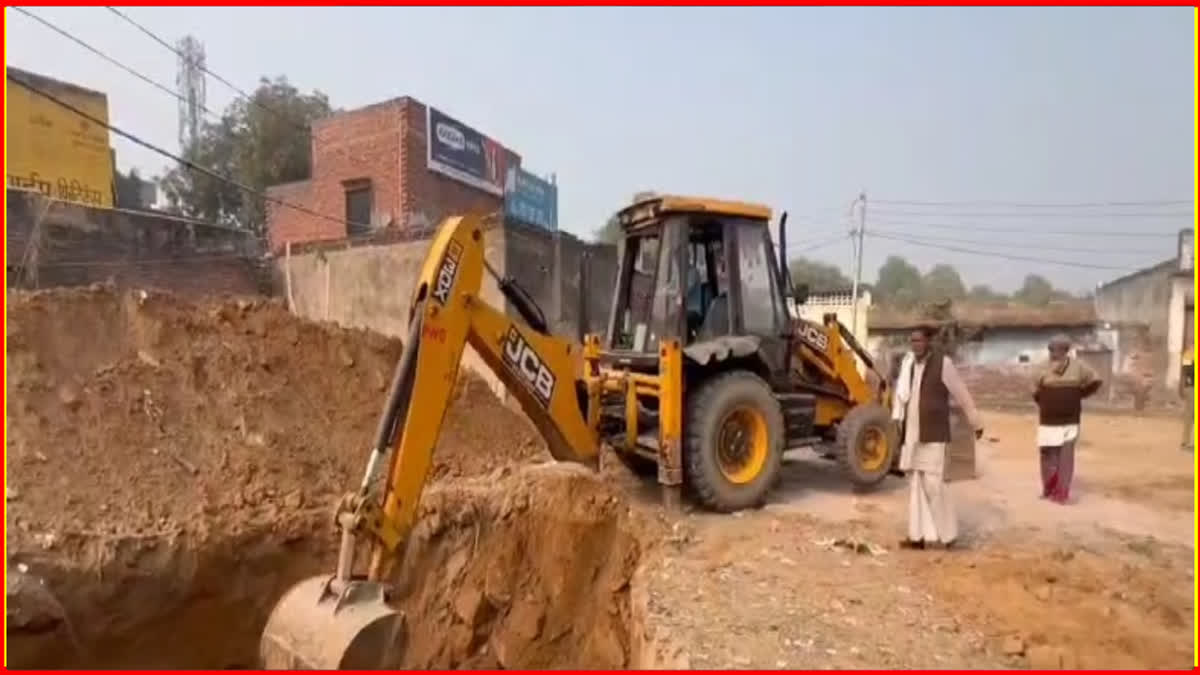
833, 350
343, 620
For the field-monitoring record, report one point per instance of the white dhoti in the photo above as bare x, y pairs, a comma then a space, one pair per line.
931, 515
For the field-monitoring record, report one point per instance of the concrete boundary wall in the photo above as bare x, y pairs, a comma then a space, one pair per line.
369, 286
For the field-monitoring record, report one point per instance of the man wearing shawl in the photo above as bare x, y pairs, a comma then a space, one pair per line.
1059, 389
927, 383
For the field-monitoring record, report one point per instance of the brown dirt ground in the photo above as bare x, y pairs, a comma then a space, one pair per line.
224, 413
1106, 581
770, 591
172, 466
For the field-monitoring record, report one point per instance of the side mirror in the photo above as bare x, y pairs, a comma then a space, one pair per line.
800, 294
783, 266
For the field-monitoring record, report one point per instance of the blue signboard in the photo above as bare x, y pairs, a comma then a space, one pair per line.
530, 200
458, 151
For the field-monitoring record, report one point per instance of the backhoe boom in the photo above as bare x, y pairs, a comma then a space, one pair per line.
540, 371
344, 621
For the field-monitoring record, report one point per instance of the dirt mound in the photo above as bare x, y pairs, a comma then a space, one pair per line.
481, 433
172, 468
138, 414
529, 571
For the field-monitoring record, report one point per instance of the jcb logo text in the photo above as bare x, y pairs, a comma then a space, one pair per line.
526, 363
815, 337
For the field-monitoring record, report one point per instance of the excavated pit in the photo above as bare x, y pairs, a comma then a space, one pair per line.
531, 570
171, 470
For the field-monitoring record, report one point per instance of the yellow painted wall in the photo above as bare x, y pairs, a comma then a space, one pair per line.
52, 149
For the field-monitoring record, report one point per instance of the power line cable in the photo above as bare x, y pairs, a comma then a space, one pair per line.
306, 128
1065, 249
1005, 256
144, 78
188, 163
975, 227
1036, 214
1038, 205
806, 247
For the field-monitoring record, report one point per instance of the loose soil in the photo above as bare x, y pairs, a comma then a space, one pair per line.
172, 468
1106, 581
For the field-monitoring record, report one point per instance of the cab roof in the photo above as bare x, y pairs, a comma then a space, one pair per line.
657, 206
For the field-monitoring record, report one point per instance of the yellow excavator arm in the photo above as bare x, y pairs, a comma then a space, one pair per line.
542, 372
344, 621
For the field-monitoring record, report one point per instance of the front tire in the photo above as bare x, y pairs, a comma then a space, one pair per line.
734, 442
868, 443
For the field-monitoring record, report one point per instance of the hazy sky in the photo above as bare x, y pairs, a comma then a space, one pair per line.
799, 108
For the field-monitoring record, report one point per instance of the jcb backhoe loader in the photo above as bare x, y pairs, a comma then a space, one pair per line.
703, 375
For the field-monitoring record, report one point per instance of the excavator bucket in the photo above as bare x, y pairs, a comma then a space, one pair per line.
315, 627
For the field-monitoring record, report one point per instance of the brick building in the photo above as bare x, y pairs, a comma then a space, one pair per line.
371, 168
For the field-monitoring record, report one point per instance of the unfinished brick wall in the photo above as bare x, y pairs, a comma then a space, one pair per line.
286, 224
359, 145
78, 246
384, 145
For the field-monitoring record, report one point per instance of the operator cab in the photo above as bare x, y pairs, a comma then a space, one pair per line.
701, 271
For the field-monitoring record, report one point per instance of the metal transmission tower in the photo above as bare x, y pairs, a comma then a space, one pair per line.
190, 83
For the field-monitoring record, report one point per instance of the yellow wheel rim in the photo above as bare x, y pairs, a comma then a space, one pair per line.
742, 445
872, 450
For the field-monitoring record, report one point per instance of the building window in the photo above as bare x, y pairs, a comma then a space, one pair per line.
358, 208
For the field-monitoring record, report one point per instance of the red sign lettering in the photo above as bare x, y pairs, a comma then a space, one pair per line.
434, 333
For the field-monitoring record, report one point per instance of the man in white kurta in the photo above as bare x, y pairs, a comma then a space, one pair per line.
931, 515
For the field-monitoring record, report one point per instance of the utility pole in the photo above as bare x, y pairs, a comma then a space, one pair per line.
190, 80
858, 257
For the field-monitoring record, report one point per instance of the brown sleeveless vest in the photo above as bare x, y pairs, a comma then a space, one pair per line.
934, 406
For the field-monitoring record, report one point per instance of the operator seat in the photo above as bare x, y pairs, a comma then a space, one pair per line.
716, 319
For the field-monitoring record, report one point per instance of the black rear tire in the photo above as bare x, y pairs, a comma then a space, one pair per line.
864, 426
718, 407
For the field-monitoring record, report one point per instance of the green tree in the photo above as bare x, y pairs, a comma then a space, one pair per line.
258, 142
941, 283
818, 275
1035, 291
899, 282
984, 293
